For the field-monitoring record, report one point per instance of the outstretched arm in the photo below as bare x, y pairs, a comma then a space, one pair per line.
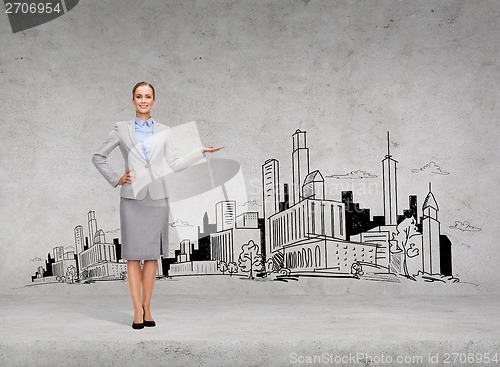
210, 148
177, 162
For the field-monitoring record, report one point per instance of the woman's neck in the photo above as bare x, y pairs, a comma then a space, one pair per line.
143, 116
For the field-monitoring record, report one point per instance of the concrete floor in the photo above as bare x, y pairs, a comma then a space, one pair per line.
90, 325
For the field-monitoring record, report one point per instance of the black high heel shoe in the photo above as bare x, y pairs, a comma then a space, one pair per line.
139, 325
147, 323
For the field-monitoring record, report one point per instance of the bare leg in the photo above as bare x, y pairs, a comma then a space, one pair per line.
148, 282
134, 274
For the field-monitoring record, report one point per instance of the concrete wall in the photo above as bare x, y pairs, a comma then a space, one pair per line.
251, 73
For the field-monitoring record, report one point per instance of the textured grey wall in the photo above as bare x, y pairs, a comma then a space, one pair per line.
250, 73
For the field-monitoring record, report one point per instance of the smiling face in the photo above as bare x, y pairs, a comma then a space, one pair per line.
143, 99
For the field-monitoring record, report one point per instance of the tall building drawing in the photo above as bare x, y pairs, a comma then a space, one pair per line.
225, 215
207, 226
431, 261
79, 243
390, 187
300, 163
79, 240
412, 199
203, 251
92, 226
285, 204
357, 220
271, 191
58, 253
271, 194
445, 253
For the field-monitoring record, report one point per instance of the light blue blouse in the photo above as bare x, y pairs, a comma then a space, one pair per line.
144, 135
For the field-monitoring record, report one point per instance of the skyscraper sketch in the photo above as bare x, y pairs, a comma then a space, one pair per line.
390, 189
431, 230
271, 194
225, 214
92, 223
300, 163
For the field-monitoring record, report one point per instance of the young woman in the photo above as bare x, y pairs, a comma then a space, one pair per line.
147, 147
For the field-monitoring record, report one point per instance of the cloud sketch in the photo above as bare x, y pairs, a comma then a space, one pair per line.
180, 223
251, 203
430, 167
354, 175
465, 226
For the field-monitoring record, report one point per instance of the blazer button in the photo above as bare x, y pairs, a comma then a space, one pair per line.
147, 165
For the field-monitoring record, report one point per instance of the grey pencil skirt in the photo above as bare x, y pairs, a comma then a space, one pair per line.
144, 228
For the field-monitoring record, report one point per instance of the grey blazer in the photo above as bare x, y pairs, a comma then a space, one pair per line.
150, 175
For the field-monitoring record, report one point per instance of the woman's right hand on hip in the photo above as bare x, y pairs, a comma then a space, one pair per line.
127, 177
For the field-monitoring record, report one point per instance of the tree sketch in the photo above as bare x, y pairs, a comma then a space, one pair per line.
232, 268
222, 266
250, 260
404, 242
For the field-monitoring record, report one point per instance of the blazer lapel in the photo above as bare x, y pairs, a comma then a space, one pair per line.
156, 136
131, 131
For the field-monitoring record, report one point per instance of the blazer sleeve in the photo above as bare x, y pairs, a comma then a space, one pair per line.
177, 162
101, 154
